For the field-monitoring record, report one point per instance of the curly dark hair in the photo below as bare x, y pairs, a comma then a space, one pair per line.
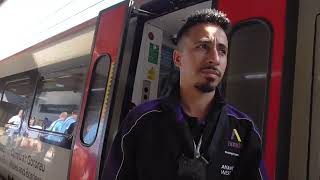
207, 16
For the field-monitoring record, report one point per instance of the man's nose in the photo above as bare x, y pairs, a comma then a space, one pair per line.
213, 55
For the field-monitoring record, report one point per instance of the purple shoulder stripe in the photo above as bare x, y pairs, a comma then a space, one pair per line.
145, 107
263, 170
138, 111
234, 112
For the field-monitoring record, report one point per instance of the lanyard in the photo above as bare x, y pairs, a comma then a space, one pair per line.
197, 148
197, 154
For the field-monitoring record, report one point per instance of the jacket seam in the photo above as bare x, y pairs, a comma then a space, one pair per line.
260, 174
122, 139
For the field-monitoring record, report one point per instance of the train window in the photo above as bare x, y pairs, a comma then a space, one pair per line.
95, 100
248, 69
56, 105
16, 98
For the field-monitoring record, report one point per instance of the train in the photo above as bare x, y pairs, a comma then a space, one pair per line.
92, 74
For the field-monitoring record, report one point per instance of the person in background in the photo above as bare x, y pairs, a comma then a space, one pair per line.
14, 123
67, 128
193, 133
91, 133
69, 124
57, 124
47, 123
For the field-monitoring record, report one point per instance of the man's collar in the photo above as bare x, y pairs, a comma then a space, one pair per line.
175, 96
173, 102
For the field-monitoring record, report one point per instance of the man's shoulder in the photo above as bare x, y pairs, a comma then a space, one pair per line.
14, 118
242, 118
146, 107
144, 111
70, 120
236, 113
58, 122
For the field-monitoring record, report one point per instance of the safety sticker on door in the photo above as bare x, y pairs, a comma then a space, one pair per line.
153, 53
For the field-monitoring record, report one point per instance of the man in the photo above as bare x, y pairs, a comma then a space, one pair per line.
14, 123
56, 126
47, 123
67, 128
193, 133
69, 123
91, 132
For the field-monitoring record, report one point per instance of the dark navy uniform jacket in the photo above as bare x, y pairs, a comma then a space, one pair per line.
155, 134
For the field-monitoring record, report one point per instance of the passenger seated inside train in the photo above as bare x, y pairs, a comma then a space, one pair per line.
47, 122
65, 126
30, 139
34, 123
90, 133
57, 124
68, 125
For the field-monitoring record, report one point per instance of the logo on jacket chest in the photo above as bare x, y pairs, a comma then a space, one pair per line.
235, 140
234, 144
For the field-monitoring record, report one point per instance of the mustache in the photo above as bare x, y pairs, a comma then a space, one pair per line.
214, 68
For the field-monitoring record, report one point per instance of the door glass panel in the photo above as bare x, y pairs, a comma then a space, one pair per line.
56, 106
247, 77
314, 156
95, 100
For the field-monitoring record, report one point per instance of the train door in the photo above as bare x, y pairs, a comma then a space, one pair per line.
253, 81
314, 146
304, 161
106, 58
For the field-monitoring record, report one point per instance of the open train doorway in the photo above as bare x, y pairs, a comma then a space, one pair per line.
156, 73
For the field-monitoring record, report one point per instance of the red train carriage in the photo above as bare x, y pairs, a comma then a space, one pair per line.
93, 74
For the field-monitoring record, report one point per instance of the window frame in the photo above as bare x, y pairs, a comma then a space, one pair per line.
269, 29
41, 78
33, 76
84, 120
7, 83
51, 74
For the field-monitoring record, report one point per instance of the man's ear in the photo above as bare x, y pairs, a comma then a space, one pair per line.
177, 58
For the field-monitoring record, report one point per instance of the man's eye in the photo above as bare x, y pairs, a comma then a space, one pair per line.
222, 51
203, 46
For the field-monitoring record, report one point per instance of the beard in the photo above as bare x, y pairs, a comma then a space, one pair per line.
206, 87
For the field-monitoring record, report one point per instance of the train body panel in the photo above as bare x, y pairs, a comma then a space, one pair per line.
29, 158
304, 146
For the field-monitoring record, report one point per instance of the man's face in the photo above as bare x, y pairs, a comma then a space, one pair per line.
202, 57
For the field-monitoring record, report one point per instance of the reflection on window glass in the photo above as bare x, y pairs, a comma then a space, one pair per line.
247, 78
169, 73
16, 98
56, 106
95, 100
